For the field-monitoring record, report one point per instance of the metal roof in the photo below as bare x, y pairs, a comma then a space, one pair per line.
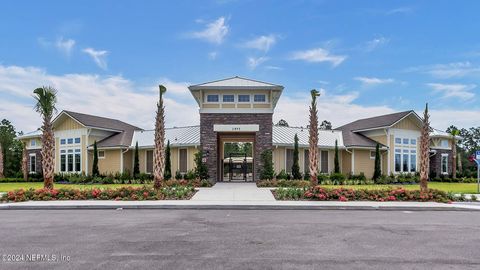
178, 136
235, 83
284, 136
33, 134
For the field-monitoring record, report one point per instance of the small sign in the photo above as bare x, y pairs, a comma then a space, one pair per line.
477, 155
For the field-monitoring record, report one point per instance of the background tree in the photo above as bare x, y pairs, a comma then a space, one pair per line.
296, 167
11, 150
159, 151
136, 162
168, 162
46, 98
454, 133
313, 138
267, 171
326, 125
95, 171
1, 161
282, 123
24, 162
424, 151
201, 169
377, 171
335, 160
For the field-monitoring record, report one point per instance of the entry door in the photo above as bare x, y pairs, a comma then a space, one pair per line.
236, 162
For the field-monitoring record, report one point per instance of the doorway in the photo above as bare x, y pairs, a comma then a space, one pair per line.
236, 160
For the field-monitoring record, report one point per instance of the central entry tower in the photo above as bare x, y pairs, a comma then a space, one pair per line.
235, 110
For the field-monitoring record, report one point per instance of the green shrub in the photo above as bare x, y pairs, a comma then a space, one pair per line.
282, 175
178, 175
337, 178
190, 175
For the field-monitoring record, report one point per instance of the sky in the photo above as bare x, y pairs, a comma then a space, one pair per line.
367, 58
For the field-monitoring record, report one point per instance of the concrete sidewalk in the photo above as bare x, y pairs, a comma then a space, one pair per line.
234, 192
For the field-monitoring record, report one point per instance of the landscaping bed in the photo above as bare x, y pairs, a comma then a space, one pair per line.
119, 194
319, 193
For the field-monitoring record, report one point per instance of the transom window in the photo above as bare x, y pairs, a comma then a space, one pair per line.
243, 98
228, 98
212, 98
444, 143
259, 98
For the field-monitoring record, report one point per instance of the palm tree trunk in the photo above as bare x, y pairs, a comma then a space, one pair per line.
313, 139
1, 162
159, 151
25, 162
48, 153
424, 151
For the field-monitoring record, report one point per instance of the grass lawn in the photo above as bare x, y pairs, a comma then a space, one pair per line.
468, 188
5, 187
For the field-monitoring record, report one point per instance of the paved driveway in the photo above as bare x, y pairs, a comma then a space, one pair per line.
234, 192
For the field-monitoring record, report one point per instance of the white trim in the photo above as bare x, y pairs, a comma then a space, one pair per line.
235, 110
374, 154
353, 161
104, 154
389, 159
236, 128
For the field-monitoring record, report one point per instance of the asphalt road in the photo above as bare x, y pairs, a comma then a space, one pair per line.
241, 239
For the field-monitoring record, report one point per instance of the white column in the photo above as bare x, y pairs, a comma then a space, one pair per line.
388, 152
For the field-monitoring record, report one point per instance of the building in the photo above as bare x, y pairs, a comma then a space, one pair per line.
235, 129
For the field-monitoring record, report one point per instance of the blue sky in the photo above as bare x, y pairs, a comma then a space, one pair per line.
368, 57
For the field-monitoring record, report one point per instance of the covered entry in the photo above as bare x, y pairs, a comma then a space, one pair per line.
236, 157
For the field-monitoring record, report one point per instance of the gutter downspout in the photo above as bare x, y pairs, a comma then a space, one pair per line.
86, 151
387, 131
121, 158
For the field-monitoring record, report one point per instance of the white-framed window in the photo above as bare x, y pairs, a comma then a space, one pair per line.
33, 142
70, 141
182, 160
324, 161
33, 163
372, 154
212, 98
228, 98
444, 163
71, 160
260, 98
243, 98
101, 154
63, 141
405, 157
444, 143
77, 140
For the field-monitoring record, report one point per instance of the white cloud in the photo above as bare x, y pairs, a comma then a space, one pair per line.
448, 71
214, 32
262, 43
442, 119
98, 56
65, 46
318, 55
376, 43
253, 62
109, 96
462, 91
372, 81
273, 68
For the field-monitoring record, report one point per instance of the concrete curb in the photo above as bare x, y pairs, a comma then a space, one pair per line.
236, 207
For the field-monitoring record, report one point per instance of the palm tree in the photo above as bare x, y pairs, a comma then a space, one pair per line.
1, 162
159, 151
454, 132
46, 98
313, 138
424, 151
24, 162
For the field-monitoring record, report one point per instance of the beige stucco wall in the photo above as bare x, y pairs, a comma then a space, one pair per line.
363, 163
111, 163
128, 161
407, 123
174, 156
346, 166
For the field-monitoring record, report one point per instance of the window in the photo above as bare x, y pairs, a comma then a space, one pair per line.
70, 140
70, 162
228, 98
243, 98
324, 161
289, 160
398, 160
405, 161
77, 140
183, 160
101, 154
306, 161
212, 98
398, 140
33, 163
413, 141
259, 98
77, 160
444, 163
149, 161
33, 142
63, 141
444, 143
63, 162
413, 161
372, 154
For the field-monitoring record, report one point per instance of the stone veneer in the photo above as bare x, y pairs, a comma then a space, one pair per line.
436, 162
209, 138
38, 159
